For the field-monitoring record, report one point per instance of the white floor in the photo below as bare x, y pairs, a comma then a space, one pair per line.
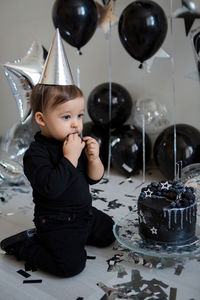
174, 280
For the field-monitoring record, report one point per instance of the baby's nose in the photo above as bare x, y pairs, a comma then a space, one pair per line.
74, 124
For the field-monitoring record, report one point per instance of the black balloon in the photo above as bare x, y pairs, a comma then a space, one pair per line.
76, 20
127, 149
142, 29
98, 105
187, 148
196, 42
102, 137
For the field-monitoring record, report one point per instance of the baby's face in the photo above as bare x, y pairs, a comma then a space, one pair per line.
64, 119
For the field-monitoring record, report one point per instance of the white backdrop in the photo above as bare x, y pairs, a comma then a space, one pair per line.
25, 21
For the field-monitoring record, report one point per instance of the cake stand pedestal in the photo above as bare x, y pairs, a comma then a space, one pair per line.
126, 231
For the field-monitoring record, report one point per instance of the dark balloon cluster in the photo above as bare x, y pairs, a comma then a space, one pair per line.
142, 30
142, 25
109, 107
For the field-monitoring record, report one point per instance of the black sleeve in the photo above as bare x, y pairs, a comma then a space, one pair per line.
46, 179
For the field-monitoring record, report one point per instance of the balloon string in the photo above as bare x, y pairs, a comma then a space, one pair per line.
78, 71
143, 145
78, 76
143, 134
173, 92
110, 99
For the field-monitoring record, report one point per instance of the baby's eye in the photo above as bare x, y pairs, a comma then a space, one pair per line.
80, 115
66, 117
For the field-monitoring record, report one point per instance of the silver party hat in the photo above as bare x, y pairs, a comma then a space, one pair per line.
57, 69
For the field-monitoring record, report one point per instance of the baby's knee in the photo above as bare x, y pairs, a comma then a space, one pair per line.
107, 240
72, 267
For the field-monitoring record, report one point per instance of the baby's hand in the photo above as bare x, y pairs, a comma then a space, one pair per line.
91, 148
72, 148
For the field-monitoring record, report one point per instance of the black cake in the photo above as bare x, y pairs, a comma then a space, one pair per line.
167, 213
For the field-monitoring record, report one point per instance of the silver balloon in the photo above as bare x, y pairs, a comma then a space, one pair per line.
190, 11
11, 171
192, 5
152, 114
21, 89
23, 74
13, 146
17, 139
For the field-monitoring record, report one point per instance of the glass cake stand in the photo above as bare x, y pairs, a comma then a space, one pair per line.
126, 231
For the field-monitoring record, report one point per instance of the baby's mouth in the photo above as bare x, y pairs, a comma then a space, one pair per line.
76, 132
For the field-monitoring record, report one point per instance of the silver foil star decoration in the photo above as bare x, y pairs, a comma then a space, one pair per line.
154, 230
159, 54
23, 74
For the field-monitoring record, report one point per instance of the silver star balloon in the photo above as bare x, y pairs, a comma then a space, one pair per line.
189, 12
11, 171
192, 5
18, 138
13, 146
23, 74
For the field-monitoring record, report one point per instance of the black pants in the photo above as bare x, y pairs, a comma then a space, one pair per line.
59, 245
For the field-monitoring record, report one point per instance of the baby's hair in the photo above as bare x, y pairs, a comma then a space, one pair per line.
43, 95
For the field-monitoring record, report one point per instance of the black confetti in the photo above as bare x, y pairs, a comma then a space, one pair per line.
113, 204
91, 257
130, 180
179, 270
129, 196
33, 281
104, 181
121, 182
172, 295
23, 273
96, 190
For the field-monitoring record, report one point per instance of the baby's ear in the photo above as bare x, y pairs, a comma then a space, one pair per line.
39, 118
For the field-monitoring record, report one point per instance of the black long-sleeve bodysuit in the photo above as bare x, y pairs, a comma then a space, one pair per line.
64, 217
